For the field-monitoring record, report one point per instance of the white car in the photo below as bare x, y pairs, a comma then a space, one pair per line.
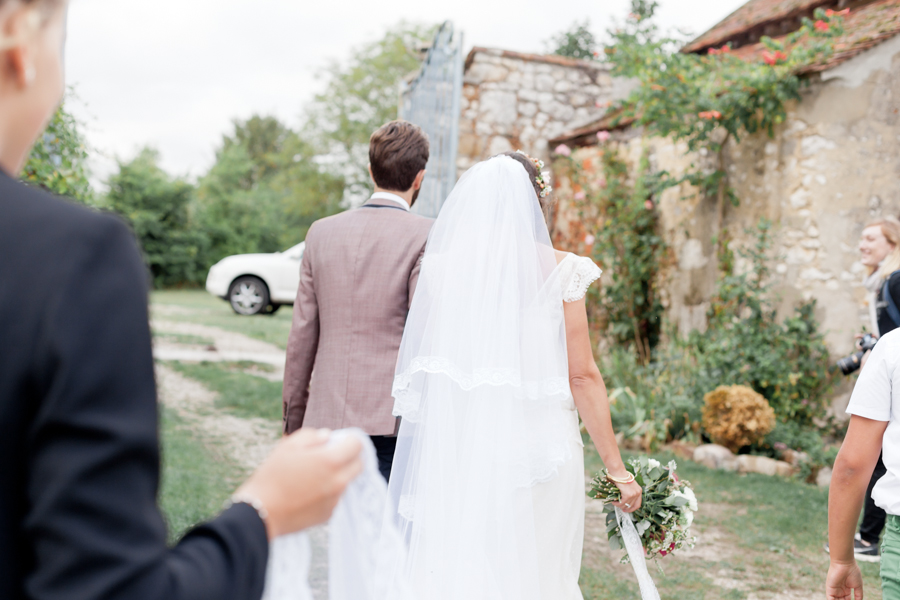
257, 283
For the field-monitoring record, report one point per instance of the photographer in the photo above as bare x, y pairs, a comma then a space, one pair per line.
879, 248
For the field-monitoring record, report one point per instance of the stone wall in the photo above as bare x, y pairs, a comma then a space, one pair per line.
832, 167
514, 101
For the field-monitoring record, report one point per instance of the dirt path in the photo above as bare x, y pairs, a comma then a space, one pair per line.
245, 441
227, 346
714, 545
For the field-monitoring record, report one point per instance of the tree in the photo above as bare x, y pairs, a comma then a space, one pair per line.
263, 192
263, 139
157, 208
577, 42
58, 161
360, 96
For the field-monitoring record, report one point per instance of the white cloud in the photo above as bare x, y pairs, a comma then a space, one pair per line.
174, 73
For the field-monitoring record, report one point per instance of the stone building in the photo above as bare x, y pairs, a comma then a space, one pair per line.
515, 101
830, 168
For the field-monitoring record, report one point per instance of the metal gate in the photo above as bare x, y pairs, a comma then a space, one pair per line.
432, 101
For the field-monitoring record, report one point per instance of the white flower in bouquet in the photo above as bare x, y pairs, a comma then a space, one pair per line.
683, 497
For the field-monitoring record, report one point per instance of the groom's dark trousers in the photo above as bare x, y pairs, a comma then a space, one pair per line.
357, 279
79, 446
384, 450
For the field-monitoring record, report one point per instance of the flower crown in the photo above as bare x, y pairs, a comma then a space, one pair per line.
541, 178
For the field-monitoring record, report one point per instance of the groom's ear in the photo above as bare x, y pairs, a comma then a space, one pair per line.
418, 181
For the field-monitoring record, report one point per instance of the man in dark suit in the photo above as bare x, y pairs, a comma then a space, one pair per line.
79, 450
78, 426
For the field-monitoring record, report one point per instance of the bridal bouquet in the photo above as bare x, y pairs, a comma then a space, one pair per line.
667, 508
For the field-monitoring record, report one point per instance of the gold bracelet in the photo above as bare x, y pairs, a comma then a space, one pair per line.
623, 481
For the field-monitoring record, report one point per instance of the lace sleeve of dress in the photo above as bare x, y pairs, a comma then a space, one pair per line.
583, 273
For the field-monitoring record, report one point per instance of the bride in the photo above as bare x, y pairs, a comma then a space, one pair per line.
495, 368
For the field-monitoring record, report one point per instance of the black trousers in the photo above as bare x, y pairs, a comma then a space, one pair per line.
384, 450
873, 517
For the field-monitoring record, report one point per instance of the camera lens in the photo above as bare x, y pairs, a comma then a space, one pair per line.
850, 364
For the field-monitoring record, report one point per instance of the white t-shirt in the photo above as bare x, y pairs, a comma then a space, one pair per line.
876, 396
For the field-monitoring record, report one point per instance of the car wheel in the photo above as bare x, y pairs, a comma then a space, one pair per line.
248, 296
273, 308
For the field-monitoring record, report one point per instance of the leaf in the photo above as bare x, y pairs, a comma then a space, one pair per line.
642, 527
615, 543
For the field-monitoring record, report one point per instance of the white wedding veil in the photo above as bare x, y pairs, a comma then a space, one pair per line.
481, 379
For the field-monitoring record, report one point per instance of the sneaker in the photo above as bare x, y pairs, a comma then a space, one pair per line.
862, 552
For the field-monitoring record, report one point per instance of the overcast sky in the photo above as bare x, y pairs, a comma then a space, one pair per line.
173, 74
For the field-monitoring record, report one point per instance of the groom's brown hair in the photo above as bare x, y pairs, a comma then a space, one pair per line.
397, 152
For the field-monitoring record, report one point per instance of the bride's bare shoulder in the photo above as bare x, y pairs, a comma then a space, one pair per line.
560, 255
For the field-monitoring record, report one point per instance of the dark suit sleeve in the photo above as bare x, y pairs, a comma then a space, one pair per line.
92, 523
303, 344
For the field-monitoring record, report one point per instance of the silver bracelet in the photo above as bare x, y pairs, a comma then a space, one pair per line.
255, 503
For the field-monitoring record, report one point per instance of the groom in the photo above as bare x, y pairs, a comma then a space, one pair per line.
357, 280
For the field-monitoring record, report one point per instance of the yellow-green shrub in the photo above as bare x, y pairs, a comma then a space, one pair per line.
736, 416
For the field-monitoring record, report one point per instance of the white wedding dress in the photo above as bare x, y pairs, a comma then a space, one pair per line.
488, 482
486, 498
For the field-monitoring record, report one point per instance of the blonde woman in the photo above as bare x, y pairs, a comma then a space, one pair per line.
879, 248
78, 412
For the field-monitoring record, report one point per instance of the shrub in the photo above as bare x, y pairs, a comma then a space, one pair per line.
736, 416
785, 361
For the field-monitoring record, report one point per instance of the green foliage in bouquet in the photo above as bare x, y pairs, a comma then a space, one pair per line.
667, 507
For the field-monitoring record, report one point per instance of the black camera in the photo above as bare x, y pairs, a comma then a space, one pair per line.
851, 363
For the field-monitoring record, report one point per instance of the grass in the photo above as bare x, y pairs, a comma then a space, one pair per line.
198, 306
774, 528
195, 480
243, 394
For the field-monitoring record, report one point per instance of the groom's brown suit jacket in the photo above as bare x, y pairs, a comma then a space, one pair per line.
357, 279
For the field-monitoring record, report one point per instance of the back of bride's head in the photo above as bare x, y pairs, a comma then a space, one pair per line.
32, 37
534, 176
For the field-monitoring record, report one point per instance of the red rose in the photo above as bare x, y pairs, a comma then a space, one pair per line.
821, 25
769, 58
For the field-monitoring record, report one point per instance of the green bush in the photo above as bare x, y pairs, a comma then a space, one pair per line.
157, 208
745, 343
785, 361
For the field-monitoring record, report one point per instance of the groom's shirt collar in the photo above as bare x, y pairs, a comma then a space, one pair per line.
391, 197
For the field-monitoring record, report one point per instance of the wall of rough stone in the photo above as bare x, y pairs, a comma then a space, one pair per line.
832, 167
514, 101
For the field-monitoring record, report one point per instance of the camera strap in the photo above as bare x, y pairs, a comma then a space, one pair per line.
893, 311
